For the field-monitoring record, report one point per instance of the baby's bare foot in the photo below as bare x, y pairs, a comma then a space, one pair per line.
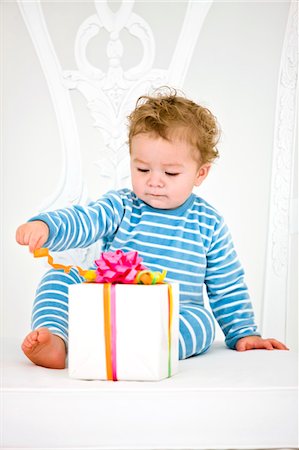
45, 349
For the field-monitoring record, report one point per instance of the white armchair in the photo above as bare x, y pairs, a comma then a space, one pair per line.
223, 399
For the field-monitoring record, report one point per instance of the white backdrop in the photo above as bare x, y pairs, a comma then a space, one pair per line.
234, 70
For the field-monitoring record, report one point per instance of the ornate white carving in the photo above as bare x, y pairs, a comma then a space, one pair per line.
284, 140
110, 96
280, 204
71, 188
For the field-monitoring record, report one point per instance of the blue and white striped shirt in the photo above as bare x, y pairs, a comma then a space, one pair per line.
191, 242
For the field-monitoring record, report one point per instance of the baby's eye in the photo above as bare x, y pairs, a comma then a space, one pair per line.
172, 174
142, 170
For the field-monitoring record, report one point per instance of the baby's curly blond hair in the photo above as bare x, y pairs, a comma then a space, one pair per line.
171, 116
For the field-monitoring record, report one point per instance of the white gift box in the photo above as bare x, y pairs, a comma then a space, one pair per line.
136, 338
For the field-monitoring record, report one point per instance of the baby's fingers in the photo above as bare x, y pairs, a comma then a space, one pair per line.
278, 345
267, 345
22, 235
34, 234
36, 241
28, 238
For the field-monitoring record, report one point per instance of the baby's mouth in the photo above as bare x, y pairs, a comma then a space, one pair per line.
155, 195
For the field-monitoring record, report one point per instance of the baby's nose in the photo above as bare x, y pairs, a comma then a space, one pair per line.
155, 179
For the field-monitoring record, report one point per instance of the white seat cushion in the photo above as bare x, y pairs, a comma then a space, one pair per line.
221, 400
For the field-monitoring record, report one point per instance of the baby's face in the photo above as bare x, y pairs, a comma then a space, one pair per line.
164, 172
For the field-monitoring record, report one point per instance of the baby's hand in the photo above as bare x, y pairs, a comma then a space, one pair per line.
34, 234
257, 342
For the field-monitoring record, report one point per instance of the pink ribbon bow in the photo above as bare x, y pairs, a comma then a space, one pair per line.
118, 267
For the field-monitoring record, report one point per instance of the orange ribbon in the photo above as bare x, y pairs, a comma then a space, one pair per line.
89, 275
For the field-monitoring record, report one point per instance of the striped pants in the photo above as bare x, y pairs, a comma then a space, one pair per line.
50, 310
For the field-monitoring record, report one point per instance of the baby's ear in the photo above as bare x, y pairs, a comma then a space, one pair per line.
202, 173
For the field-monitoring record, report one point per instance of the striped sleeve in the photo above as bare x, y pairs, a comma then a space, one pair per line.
81, 226
227, 291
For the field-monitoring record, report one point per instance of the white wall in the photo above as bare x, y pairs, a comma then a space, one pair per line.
234, 71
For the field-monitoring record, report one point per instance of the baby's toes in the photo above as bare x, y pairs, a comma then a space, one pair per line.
31, 340
43, 335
